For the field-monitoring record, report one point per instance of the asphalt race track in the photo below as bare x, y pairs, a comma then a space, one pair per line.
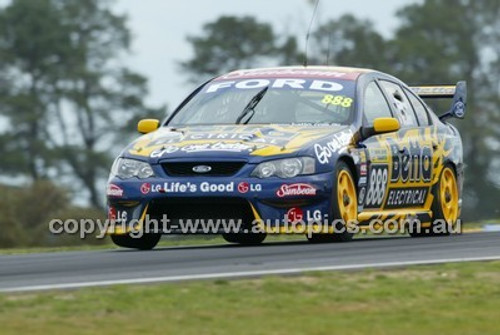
120, 266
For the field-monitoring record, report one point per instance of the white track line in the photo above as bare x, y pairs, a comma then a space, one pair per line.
239, 274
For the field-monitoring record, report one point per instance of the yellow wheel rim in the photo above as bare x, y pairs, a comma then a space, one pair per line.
449, 195
346, 197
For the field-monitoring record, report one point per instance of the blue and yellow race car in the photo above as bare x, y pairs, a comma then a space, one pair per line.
291, 150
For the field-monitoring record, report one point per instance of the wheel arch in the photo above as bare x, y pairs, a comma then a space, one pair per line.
450, 163
352, 166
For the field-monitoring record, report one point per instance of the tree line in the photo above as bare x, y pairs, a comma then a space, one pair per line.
65, 98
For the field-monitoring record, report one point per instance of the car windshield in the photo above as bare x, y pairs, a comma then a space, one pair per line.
269, 101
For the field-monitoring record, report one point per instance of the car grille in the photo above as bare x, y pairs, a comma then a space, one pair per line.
176, 169
202, 209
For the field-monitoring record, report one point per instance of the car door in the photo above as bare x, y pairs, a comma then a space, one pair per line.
411, 153
375, 170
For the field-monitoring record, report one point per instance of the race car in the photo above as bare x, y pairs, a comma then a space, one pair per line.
281, 150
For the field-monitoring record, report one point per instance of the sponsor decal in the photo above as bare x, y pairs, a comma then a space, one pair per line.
194, 148
206, 187
309, 124
295, 215
112, 214
377, 186
174, 187
145, 188
338, 142
459, 109
188, 187
378, 155
245, 187
166, 138
114, 191
363, 169
219, 136
276, 83
173, 138
314, 216
285, 73
117, 215
362, 180
299, 189
434, 90
362, 194
362, 156
411, 163
406, 197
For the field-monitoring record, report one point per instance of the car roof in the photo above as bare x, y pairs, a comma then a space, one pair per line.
314, 71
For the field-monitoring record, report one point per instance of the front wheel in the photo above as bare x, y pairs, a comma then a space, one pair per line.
345, 206
145, 242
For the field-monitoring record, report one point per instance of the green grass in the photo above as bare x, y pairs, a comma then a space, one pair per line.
446, 299
31, 250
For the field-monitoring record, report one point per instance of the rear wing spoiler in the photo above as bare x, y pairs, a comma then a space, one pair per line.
456, 92
434, 92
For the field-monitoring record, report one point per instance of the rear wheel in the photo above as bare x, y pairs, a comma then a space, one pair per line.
345, 205
145, 242
445, 206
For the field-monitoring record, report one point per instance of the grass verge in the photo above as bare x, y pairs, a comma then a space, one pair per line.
446, 299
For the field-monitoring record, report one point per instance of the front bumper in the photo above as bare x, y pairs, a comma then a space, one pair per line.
274, 202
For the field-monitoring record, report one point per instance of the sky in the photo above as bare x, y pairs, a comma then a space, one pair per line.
160, 28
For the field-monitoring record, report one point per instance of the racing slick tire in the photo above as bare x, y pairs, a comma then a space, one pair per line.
445, 205
245, 238
345, 205
145, 242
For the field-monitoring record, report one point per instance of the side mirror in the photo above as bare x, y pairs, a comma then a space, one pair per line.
385, 125
147, 125
382, 125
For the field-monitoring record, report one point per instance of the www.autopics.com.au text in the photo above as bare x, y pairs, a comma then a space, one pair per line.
137, 228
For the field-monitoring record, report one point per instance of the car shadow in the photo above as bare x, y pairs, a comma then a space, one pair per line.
263, 245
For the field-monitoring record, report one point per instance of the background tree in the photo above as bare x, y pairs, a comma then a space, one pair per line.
32, 43
67, 98
439, 43
231, 43
348, 41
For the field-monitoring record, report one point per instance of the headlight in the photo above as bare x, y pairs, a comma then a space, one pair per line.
125, 168
285, 168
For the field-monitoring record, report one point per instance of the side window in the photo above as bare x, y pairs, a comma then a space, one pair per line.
375, 105
420, 110
402, 105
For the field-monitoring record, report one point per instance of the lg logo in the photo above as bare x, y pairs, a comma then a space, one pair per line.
245, 187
